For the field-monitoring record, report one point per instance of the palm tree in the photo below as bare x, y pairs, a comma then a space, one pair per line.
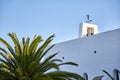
25, 61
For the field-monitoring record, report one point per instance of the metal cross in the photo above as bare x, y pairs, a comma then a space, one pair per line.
88, 19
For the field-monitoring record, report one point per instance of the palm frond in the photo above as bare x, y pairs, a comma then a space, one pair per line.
16, 43
108, 74
68, 63
8, 47
98, 78
65, 74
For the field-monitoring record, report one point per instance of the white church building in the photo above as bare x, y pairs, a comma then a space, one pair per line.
92, 51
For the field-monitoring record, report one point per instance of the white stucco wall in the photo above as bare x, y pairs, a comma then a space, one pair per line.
81, 51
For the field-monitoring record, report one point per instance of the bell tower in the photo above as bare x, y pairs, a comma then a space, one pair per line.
87, 29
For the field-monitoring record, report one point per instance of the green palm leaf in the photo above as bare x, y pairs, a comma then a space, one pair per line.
108, 75
65, 75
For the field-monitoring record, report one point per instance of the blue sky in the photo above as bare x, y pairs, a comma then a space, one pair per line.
59, 17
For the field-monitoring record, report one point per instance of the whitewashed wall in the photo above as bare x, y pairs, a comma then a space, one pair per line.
81, 51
